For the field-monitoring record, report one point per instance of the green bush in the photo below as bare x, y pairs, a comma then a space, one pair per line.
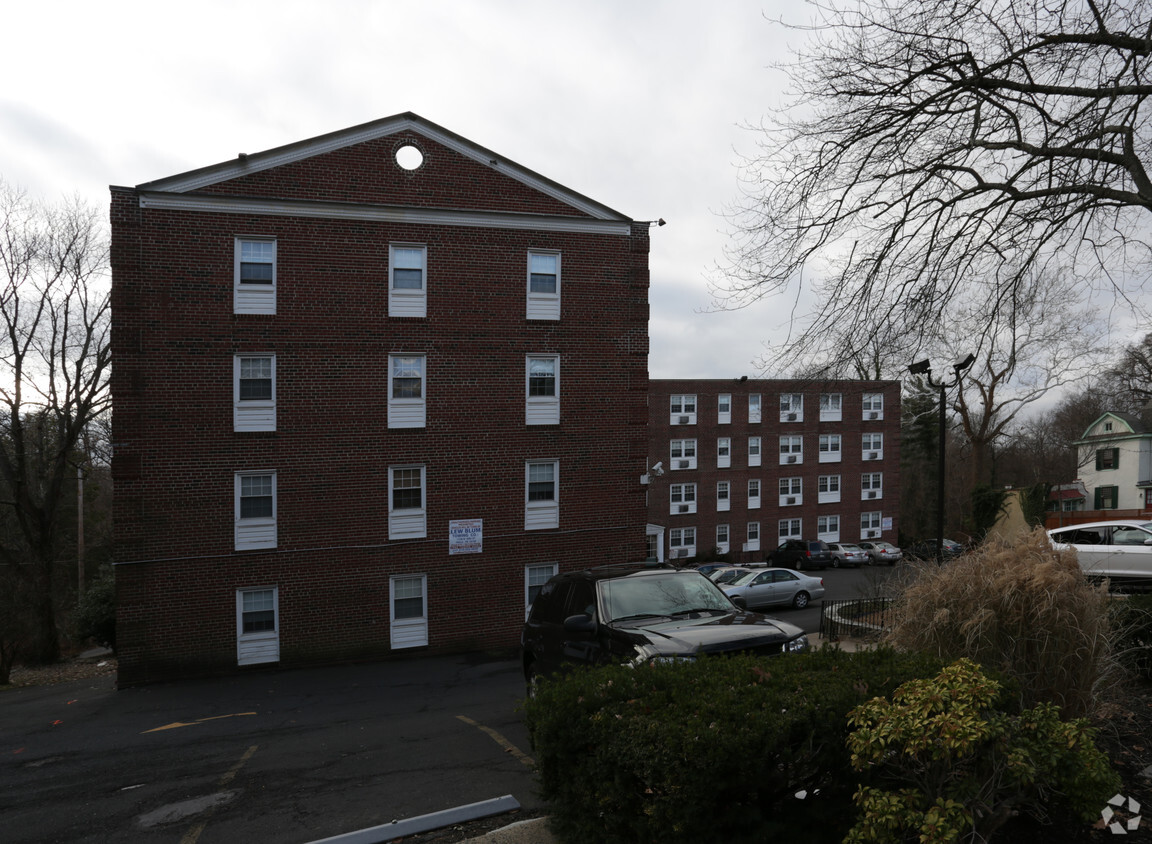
95, 616
707, 750
947, 762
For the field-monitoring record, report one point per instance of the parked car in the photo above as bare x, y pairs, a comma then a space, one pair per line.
801, 554
630, 614
882, 552
1120, 550
847, 554
727, 575
927, 550
776, 586
708, 568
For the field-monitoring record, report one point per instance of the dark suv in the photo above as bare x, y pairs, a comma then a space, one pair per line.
632, 614
801, 554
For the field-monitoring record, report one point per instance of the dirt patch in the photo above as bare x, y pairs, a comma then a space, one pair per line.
62, 672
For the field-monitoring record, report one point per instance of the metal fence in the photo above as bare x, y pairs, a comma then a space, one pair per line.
856, 618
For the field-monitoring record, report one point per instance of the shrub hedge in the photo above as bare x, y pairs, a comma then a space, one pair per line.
708, 750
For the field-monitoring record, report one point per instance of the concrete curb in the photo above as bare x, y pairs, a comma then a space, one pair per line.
426, 823
531, 831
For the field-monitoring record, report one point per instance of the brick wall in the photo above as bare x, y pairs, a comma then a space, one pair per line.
174, 338
707, 429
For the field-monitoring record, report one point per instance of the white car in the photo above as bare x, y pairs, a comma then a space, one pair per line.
1120, 550
775, 586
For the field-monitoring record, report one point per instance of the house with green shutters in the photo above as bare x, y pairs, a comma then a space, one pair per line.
1115, 459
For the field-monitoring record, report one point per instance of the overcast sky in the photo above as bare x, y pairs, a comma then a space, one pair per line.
639, 105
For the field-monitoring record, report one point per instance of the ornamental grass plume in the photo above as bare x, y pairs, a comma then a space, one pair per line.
1018, 607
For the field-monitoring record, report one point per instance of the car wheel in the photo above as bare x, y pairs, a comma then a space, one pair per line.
871, 562
800, 601
835, 562
532, 681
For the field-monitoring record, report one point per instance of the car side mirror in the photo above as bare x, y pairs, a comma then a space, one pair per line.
739, 601
580, 623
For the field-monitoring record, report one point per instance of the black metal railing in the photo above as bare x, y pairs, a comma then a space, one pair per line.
855, 618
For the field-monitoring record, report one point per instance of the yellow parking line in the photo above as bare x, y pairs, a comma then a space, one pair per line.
194, 833
500, 740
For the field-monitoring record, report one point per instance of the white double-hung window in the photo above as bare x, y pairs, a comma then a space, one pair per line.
543, 285
409, 611
682, 454
257, 626
753, 451
831, 407
682, 410
723, 452
722, 538
541, 495
406, 391
754, 407
828, 489
407, 280
872, 447
535, 576
789, 528
407, 503
254, 392
870, 525
542, 387
791, 450
255, 505
754, 494
791, 407
254, 276
723, 496
682, 498
828, 528
830, 448
791, 492
873, 406
724, 409
871, 485
681, 542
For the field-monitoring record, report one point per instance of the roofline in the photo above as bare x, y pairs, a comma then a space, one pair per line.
246, 164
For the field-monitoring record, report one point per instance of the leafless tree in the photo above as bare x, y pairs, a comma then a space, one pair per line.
54, 368
933, 149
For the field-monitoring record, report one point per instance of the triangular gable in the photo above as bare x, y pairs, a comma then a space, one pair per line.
212, 179
1123, 425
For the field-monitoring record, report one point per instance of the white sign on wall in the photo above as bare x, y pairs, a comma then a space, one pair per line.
466, 536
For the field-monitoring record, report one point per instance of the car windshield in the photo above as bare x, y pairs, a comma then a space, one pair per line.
660, 595
743, 579
850, 548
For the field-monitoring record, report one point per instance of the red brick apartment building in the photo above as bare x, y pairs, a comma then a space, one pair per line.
371, 389
744, 465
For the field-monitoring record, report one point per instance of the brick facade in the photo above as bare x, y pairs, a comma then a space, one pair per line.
669, 521
332, 207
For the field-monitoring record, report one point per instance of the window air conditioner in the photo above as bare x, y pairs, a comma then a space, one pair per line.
873, 415
683, 420
682, 464
873, 455
791, 458
872, 534
871, 493
790, 500
683, 552
684, 508
791, 417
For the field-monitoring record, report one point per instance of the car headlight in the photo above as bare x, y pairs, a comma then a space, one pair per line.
797, 645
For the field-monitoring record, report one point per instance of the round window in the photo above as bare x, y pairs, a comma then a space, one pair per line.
409, 157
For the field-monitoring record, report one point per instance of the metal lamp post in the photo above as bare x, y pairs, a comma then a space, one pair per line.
924, 367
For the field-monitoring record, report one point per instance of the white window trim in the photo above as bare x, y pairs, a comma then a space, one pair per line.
724, 417
404, 301
252, 414
723, 452
682, 461
551, 570
408, 522
794, 455
755, 407
784, 528
683, 549
794, 496
681, 499
828, 496
683, 416
752, 532
408, 412
831, 410
541, 410
542, 515
722, 545
829, 533
723, 502
872, 529
754, 500
253, 298
255, 533
791, 407
411, 632
871, 486
755, 451
871, 452
540, 305
872, 407
830, 454
262, 646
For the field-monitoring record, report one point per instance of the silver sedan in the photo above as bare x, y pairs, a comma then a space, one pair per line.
775, 587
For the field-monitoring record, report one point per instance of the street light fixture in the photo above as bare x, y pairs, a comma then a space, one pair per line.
924, 367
